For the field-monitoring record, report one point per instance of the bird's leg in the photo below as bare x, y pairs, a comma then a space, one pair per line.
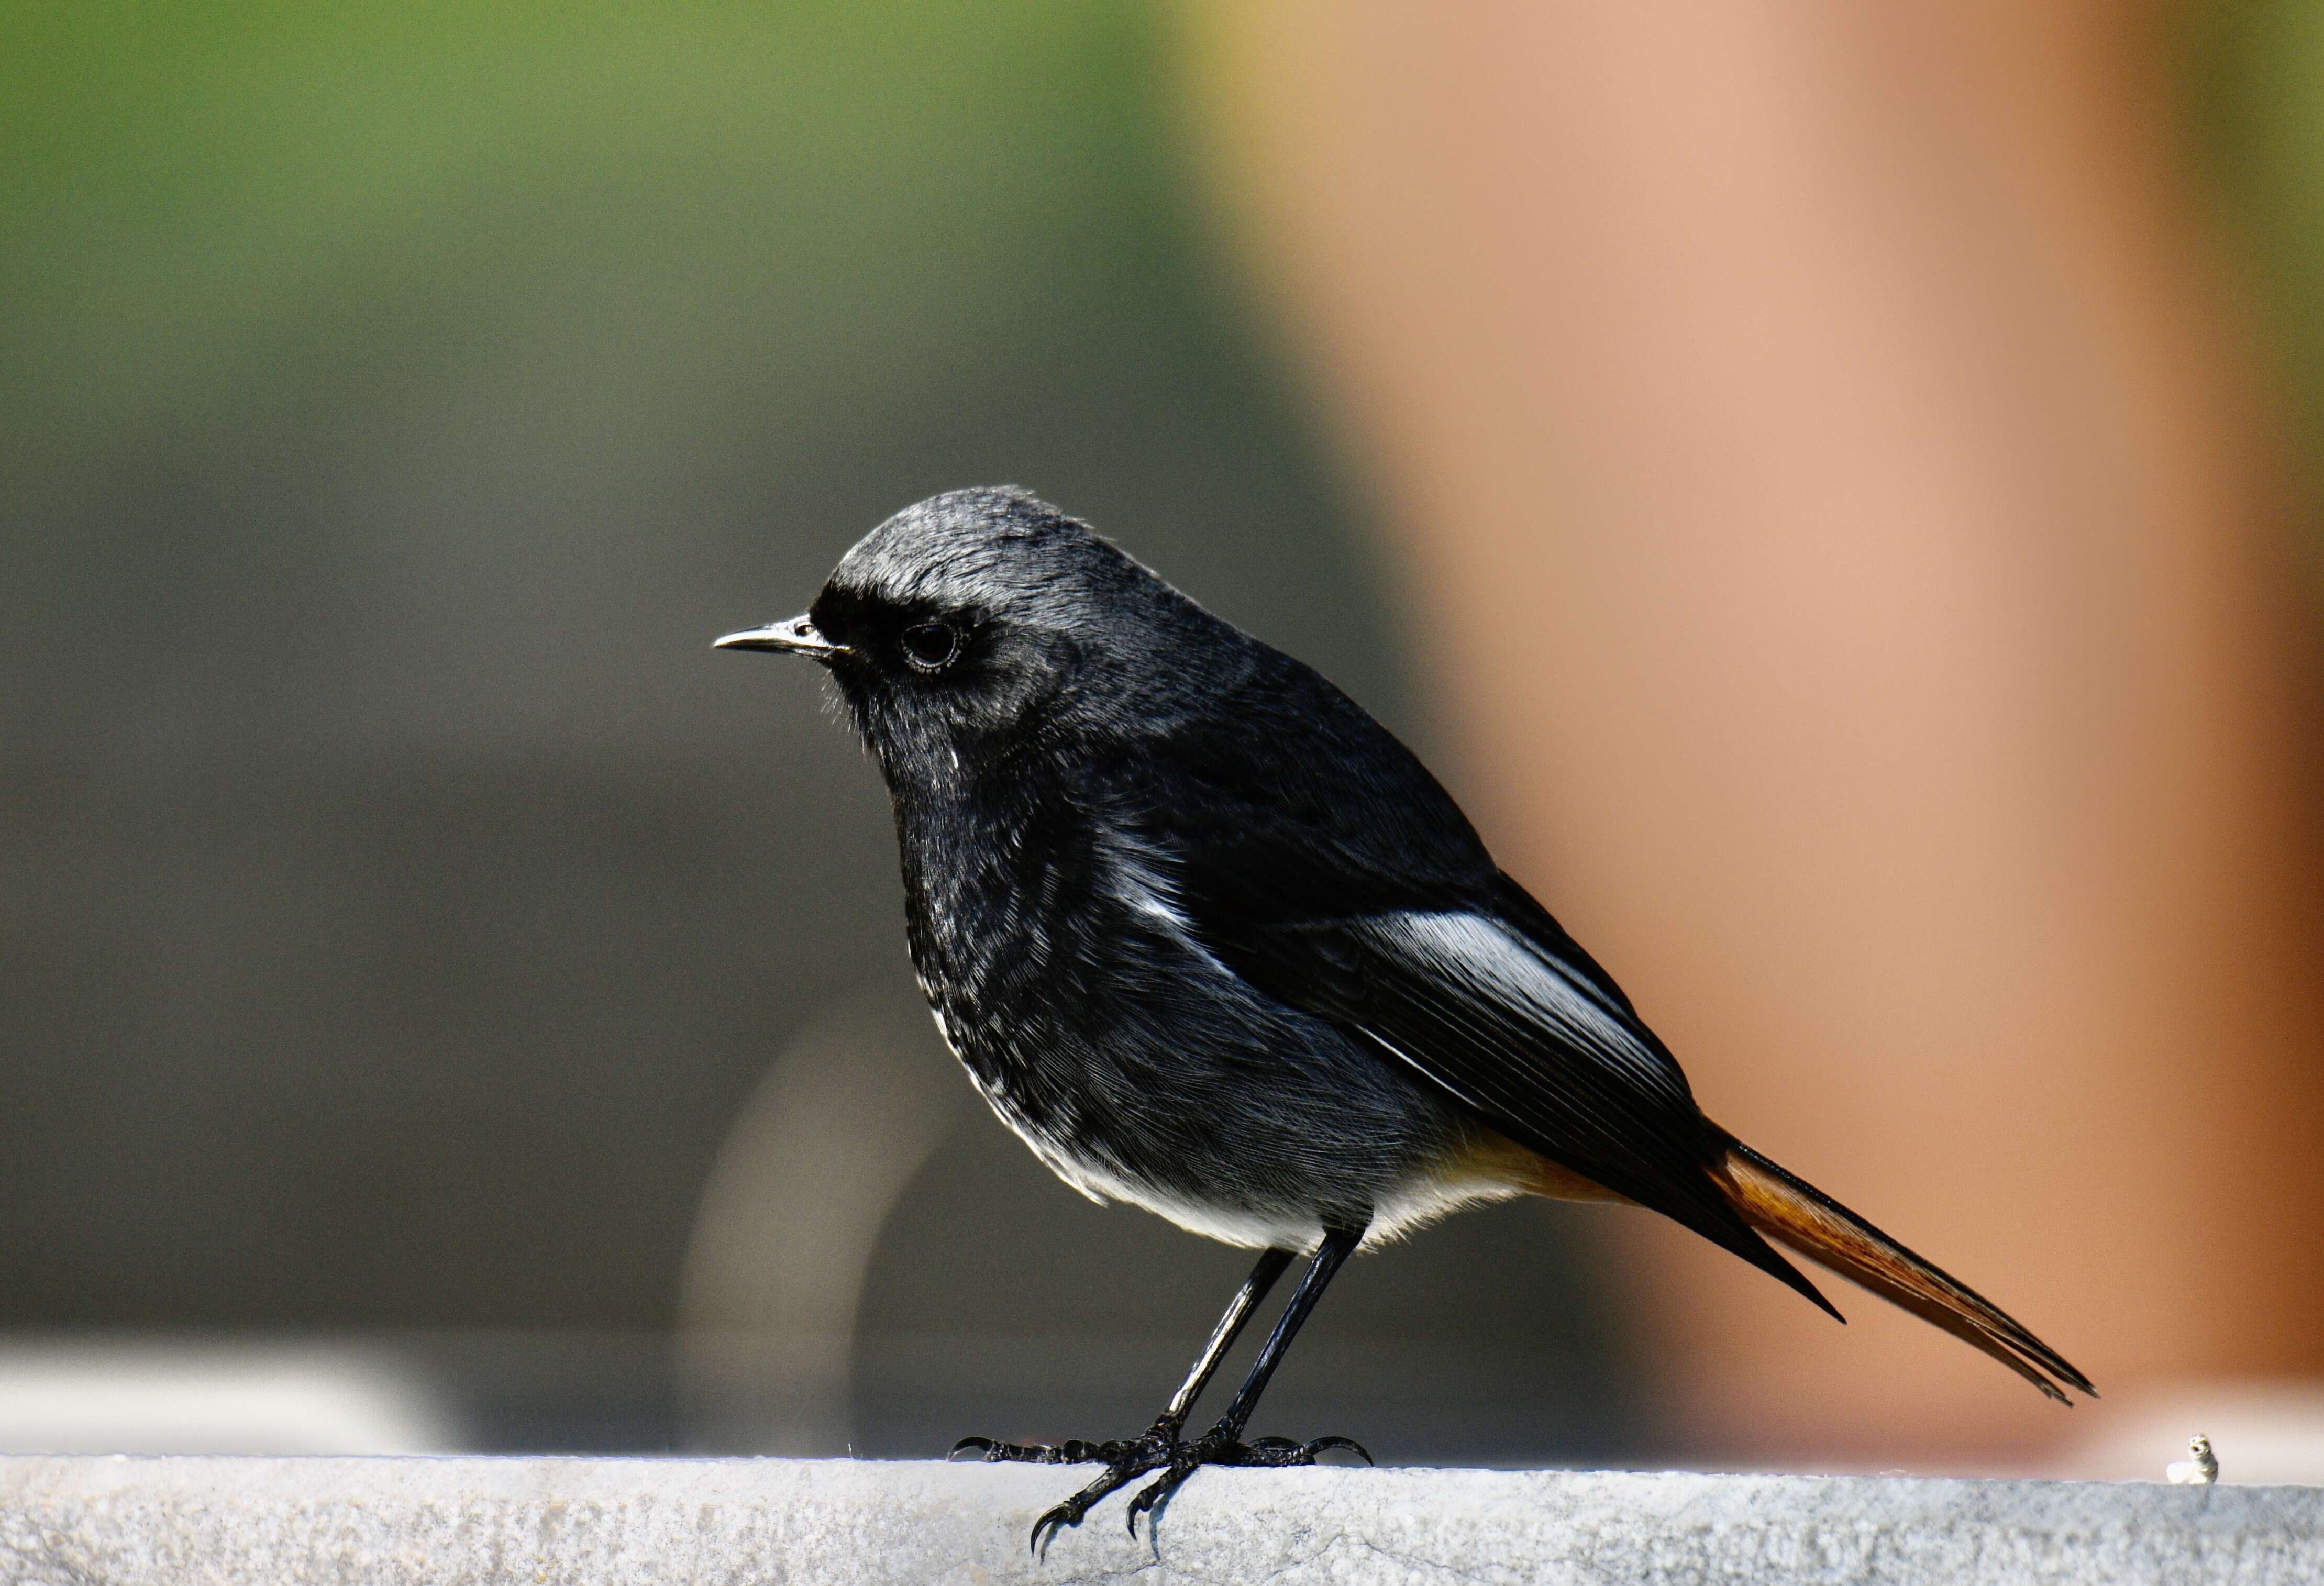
1125, 1459
1223, 1444
1161, 1447
1248, 1298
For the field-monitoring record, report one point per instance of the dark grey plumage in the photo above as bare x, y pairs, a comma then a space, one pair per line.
1152, 866
1044, 889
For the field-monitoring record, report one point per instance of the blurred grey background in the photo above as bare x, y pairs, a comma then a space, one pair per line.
399, 904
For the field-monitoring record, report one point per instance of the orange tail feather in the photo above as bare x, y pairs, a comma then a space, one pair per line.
1796, 1214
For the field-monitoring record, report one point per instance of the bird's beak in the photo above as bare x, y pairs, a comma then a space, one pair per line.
795, 637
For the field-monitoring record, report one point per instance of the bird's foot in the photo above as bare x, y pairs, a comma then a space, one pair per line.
1124, 1459
1159, 1448
1219, 1446
1072, 1452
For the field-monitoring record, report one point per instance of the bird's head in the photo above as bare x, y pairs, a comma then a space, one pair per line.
982, 621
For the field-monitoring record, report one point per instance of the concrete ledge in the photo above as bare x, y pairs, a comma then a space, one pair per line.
280, 1522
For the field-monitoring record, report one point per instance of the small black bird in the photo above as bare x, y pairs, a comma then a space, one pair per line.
1212, 941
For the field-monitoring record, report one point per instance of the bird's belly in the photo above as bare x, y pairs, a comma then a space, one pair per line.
1290, 1225
1317, 1132
1106, 1169
1411, 1202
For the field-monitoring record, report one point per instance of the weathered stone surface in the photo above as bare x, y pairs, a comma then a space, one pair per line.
278, 1522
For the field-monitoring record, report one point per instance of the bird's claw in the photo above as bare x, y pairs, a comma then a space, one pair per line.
1056, 1520
1328, 1445
1160, 1449
1217, 1447
1072, 1452
1124, 1462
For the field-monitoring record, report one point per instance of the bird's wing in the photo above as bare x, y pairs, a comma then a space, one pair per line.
1316, 858
1529, 1043
1366, 899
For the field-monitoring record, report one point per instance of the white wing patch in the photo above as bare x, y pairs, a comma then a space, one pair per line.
1505, 968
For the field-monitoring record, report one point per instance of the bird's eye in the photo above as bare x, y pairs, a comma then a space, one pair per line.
930, 646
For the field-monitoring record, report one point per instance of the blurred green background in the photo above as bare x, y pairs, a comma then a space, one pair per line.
2252, 82
399, 900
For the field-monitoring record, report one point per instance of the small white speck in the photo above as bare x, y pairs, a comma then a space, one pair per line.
2200, 1468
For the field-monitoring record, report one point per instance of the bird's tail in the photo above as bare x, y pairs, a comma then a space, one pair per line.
1796, 1214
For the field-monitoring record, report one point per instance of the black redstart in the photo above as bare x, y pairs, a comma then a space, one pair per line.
1212, 942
